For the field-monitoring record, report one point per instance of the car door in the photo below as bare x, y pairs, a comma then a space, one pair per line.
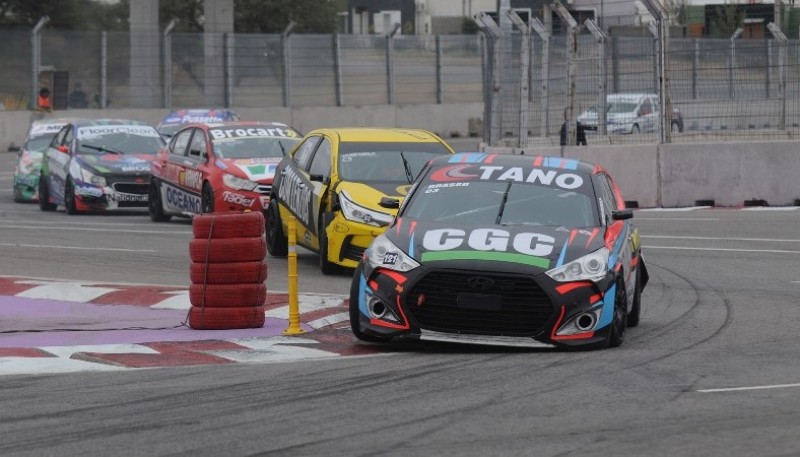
295, 190
319, 173
625, 250
58, 160
647, 114
176, 195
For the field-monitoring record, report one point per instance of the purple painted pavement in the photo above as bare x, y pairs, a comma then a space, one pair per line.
47, 320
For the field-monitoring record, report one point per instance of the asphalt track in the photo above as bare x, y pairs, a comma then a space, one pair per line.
712, 369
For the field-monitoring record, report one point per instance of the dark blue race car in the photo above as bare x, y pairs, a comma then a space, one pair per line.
504, 250
175, 120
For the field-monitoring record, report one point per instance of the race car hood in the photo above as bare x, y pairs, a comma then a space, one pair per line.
518, 247
117, 164
260, 170
369, 195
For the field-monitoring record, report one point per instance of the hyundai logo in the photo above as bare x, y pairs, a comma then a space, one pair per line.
481, 283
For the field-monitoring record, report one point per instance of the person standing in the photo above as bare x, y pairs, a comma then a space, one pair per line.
581, 131
78, 98
44, 103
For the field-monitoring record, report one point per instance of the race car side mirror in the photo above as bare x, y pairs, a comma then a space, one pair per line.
622, 214
13, 148
63, 149
388, 202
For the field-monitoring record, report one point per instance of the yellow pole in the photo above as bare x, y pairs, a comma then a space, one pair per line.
294, 306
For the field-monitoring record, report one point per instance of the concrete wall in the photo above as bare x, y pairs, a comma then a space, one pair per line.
675, 175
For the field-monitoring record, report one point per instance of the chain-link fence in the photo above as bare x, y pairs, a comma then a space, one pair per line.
649, 82
713, 89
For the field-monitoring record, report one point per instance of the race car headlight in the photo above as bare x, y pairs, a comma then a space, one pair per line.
235, 182
592, 267
91, 178
358, 213
383, 253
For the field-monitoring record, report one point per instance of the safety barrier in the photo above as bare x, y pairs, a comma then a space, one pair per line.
228, 270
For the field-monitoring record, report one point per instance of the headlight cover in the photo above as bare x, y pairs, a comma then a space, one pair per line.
591, 267
235, 182
358, 213
384, 254
91, 178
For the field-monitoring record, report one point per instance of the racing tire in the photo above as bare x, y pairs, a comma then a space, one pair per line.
277, 243
232, 224
18, 196
355, 315
69, 198
635, 129
154, 206
207, 199
44, 195
223, 250
227, 295
616, 334
226, 318
228, 273
636, 308
327, 267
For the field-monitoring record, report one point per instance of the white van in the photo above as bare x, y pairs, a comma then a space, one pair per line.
627, 113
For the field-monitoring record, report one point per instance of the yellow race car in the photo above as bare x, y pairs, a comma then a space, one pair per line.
344, 186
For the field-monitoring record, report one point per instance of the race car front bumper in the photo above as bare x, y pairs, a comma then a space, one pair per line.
347, 240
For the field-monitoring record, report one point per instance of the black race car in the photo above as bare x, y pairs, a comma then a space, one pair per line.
504, 250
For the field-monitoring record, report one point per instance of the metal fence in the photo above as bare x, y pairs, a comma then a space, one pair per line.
725, 89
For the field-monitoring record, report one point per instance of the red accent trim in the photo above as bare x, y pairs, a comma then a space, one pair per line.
464, 158
594, 299
557, 324
398, 278
634, 261
562, 163
412, 227
617, 267
398, 225
577, 336
490, 159
612, 233
572, 235
381, 323
597, 169
372, 284
537, 162
595, 231
570, 286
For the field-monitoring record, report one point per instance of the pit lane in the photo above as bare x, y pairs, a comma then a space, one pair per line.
720, 312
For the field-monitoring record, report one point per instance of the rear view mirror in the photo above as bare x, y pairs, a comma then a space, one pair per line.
388, 202
622, 214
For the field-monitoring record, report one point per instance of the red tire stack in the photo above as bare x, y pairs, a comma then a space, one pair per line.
228, 271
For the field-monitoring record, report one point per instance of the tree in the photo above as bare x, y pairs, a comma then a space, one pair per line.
727, 19
64, 14
272, 16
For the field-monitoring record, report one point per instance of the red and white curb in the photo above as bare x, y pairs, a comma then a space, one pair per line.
326, 314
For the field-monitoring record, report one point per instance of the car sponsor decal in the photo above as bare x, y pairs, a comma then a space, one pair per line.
461, 172
295, 194
119, 197
403, 190
88, 191
102, 130
251, 132
433, 188
237, 199
176, 174
43, 129
258, 169
488, 244
221, 164
177, 199
555, 162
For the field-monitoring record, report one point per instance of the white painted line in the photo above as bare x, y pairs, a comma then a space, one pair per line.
12, 245
329, 320
669, 237
66, 292
307, 303
66, 352
72, 221
672, 210
41, 365
84, 229
684, 248
30, 280
795, 282
179, 301
736, 389
691, 219
771, 208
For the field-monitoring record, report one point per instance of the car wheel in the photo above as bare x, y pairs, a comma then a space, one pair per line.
636, 307
634, 129
355, 315
154, 207
327, 267
18, 195
44, 195
69, 197
277, 243
207, 199
616, 334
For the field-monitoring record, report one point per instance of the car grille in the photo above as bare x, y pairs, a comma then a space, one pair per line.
350, 251
525, 308
264, 189
131, 188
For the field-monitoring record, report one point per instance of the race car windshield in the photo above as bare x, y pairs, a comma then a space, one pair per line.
501, 203
39, 143
385, 162
120, 143
252, 147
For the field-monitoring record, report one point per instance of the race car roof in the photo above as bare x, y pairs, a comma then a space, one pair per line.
91, 122
380, 135
246, 124
516, 160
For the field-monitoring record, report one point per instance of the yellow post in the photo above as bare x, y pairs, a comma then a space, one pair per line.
294, 306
